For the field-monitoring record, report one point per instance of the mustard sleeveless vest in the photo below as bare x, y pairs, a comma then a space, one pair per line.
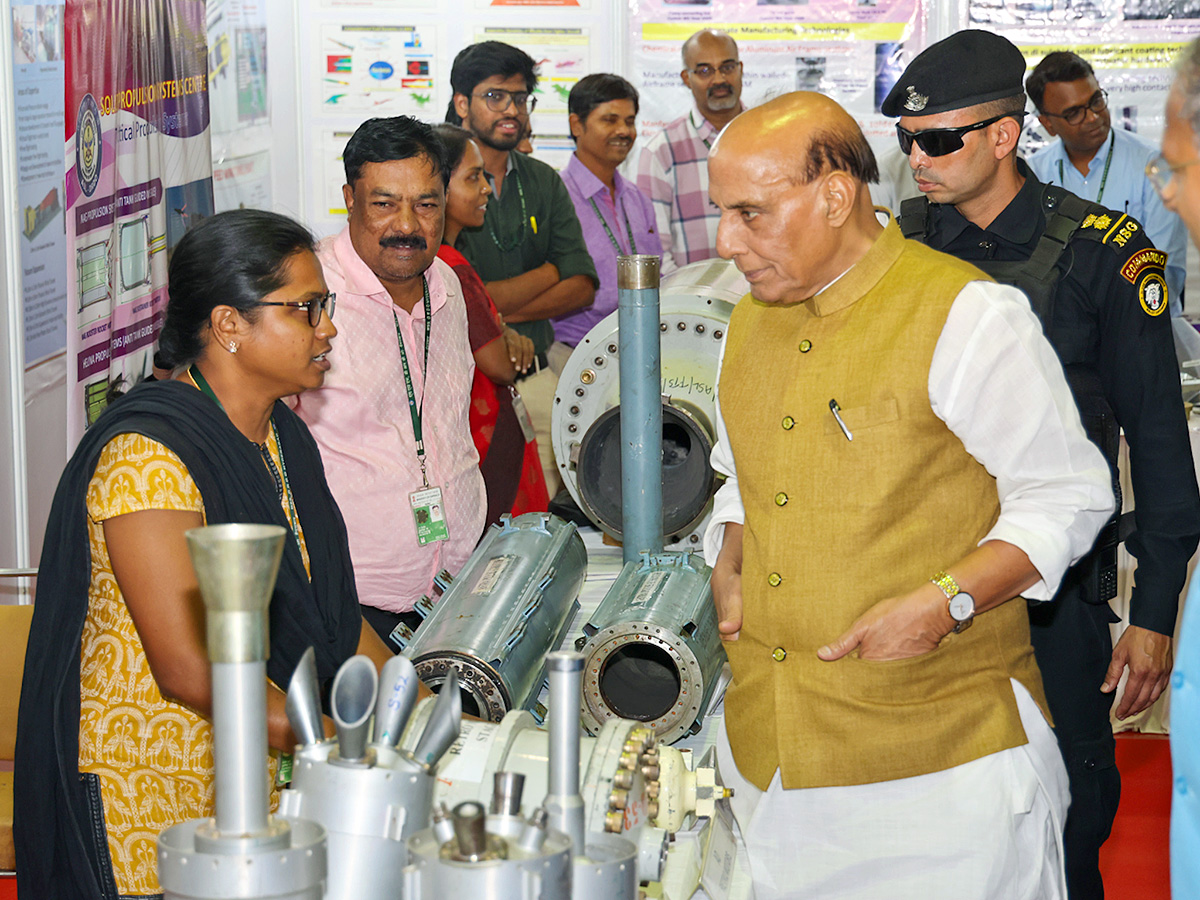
834, 525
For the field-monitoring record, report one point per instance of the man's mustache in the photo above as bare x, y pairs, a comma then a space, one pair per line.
712, 91
404, 242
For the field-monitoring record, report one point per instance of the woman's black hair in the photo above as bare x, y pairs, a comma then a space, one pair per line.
233, 259
454, 140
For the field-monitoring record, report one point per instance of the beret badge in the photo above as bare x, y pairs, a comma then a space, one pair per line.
915, 102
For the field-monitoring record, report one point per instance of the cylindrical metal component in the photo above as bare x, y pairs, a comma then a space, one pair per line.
239, 717
470, 830
641, 405
523, 872
397, 697
533, 838
443, 827
637, 272
607, 869
351, 702
695, 304
304, 701
295, 872
653, 650
507, 789
563, 802
206, 859
511, 603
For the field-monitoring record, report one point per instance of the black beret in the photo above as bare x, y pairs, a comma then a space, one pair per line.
965, 69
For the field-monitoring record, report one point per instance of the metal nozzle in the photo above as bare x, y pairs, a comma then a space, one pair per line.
507, 788
534, 835
397, 697
304, 701
470, 829
236, 565
351, 702
637, 272
443, 828
443, 726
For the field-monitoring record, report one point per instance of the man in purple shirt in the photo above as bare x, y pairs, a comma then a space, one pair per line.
616, 217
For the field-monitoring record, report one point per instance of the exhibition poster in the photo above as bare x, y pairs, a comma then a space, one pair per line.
38, 107
138, 175
377, 70
851, 50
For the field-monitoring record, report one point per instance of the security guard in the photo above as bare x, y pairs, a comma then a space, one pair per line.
1098, 286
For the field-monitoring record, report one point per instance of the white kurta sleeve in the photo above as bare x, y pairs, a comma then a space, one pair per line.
998, 385
727, 502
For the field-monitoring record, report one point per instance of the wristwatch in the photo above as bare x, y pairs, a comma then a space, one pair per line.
960, 604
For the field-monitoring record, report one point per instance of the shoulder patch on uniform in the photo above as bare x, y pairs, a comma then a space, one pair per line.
1120, 231
1152, 293
1143, 259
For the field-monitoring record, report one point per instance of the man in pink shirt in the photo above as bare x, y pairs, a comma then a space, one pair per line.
391, 420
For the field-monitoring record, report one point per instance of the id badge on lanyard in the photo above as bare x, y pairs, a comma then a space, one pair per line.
523, 418
428, 508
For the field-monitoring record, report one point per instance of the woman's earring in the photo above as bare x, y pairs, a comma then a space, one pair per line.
233, 347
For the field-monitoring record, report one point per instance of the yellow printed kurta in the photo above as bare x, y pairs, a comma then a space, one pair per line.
153, 756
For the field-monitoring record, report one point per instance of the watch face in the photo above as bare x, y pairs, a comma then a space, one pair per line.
962, 606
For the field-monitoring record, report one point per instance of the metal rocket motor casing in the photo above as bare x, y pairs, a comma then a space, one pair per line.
652, 647
511, 604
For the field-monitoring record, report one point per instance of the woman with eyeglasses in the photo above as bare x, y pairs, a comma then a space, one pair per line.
508, 458
114, 741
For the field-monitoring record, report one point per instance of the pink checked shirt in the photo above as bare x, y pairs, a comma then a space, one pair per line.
361, 421
673, 173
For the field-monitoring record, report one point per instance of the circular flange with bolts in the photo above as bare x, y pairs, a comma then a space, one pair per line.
478, 682
669, 725
695, 305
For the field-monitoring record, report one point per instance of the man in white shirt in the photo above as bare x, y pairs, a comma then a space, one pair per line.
909, 463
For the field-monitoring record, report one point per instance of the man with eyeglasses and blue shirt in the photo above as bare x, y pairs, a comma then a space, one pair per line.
1099, 287
530, 251
673, 167
1095, 161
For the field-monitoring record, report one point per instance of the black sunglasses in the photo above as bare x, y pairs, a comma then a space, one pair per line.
943, 141
315, 306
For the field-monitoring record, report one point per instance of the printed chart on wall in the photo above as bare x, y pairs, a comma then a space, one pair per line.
852, 50
562, 56
138, 175
1132, 45
38, 92
380, 70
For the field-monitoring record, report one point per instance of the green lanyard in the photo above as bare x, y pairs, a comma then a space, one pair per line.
608, 231
1104, 177
283, 488
524, 218
413, 409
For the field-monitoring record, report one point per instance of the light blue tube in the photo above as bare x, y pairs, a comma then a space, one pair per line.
641, 405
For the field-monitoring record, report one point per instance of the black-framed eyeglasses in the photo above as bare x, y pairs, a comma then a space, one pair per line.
498, 100
943, 141
726, 68
315, 306
1074, 115
1160, 173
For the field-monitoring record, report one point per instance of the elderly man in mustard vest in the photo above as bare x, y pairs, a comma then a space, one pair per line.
908, 463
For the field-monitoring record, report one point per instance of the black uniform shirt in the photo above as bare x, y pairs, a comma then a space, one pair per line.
1110, 320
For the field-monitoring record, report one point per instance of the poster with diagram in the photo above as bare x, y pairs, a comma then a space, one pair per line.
852, 50
377, 70
138, 169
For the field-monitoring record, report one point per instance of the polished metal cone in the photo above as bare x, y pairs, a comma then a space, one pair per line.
236, 565
304, 701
